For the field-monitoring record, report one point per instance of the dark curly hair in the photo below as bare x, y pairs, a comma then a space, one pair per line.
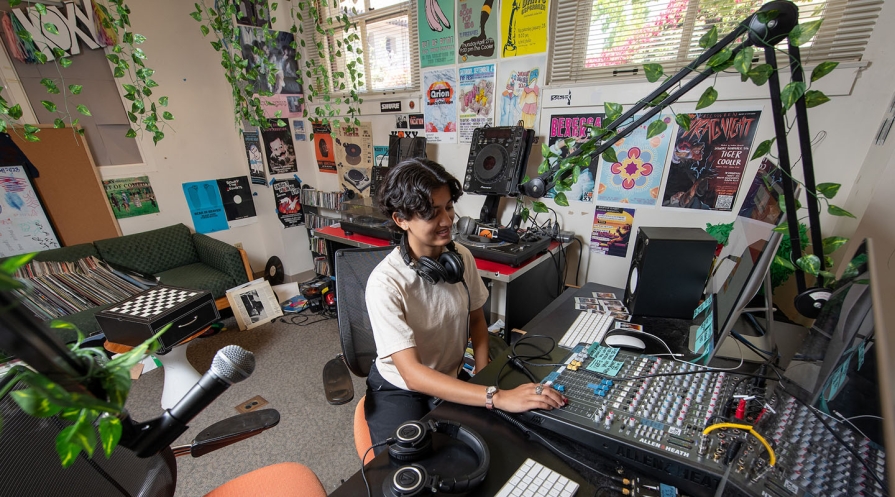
408, 187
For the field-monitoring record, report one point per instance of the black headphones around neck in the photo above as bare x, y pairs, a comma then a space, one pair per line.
413, 441
448, 268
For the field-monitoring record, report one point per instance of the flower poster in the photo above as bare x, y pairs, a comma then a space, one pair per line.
476, 99
477, 24
130, 197
709, 159
279, 148
354, 157
323, 147
256, 159
637, 176
287, 195
567, 132
518, 90
523, 27
611, 234
441, 105
436, 32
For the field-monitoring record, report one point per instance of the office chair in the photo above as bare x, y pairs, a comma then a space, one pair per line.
353, 268
29, 464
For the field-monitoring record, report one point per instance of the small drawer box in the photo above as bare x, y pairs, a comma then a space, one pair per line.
134, 320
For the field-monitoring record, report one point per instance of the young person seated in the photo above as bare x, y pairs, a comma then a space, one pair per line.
424, 299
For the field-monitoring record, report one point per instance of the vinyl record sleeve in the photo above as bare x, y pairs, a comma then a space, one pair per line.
237, 197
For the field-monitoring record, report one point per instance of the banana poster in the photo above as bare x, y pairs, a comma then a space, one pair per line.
436, 32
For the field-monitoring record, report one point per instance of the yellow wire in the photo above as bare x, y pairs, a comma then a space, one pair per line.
748, 429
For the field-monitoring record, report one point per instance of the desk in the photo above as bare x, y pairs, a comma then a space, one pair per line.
521, 292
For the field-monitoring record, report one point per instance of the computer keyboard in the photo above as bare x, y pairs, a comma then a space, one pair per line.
533, 478
589, 327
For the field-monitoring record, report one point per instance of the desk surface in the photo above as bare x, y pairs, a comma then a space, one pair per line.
487, 269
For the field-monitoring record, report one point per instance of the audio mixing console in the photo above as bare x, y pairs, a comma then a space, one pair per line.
651, 413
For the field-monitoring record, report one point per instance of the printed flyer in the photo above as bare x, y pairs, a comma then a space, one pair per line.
567, 132
708, 160
354, 157
436, 33
256, 159
477, 29
523, 27
280, 149
206, 207
636, 177
612, 229
323, 147
518, 90
476, 99
764, 201
287, 195
130, 197
236, 195
441, 105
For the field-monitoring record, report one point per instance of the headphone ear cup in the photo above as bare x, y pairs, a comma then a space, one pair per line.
431, 270
405, 481
413, 442
452, 263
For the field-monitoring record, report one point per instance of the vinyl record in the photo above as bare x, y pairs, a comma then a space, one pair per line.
273, 271
489, 163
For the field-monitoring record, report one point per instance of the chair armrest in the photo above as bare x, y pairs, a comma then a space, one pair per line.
229, 431
223, 257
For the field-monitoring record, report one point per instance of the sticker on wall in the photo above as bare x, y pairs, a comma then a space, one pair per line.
518, 89
441, 105
476, 99
206, 206
523, 27
477, 29
130, 197
567, 132
436, 34
636, 177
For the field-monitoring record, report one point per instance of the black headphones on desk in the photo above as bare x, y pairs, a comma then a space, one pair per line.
413, 441
448, 268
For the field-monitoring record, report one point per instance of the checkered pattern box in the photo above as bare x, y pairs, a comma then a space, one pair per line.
132, 321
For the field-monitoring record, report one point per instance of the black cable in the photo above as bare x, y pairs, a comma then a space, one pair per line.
363, 474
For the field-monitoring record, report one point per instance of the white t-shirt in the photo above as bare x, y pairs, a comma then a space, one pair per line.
406, 311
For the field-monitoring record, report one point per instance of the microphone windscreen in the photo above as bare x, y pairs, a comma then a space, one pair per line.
233, 364
466, 225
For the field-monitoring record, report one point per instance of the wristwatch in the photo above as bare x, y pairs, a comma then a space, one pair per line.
489, 397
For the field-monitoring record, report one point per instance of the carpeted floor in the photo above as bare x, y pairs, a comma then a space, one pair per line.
290, 360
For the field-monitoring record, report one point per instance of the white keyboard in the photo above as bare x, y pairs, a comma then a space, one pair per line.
589, 327
533, 478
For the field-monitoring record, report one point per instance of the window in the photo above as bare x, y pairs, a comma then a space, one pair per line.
390, 53
610, 39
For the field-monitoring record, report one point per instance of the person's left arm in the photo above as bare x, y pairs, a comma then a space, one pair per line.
478, 332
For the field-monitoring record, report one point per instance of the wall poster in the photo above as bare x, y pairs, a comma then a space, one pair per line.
476, 99
637, 176
566, 133
441, 105
206, 206
477, 29
612, 229
24, 226
323, 147
236, 195
436, 34
708, 160
130, 197
253, 146
280, 148
354, 157
286, 90
523, 27
518, 89
287, 195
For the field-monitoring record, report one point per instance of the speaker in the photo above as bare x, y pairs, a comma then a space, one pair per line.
669, 269
448, 268
413, 441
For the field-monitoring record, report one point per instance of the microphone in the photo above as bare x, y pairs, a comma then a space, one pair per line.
230, 365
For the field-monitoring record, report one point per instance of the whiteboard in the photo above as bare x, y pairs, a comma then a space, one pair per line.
24, 226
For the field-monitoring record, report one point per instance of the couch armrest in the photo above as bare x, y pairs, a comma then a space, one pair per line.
223, 257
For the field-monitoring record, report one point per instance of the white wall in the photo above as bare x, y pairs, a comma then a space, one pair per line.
207, 145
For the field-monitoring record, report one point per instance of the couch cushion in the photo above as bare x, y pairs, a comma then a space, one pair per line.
150, 252
67, 254
199, 276
84, 321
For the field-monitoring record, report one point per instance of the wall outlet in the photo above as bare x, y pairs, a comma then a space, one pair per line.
238, 245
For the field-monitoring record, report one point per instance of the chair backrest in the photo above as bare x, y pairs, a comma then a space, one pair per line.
353, 268
29, 464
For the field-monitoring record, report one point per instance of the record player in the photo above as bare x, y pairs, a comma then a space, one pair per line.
504, 252
362, 216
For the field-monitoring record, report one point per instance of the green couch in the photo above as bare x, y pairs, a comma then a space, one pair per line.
173, 254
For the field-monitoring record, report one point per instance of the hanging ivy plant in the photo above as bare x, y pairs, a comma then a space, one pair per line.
129, 61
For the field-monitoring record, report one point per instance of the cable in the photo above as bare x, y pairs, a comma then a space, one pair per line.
363, 474
751, 431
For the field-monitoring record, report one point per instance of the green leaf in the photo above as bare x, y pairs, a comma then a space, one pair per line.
64, 62
83, 109
780, 261
656, 128
832, 243
157, 137
809, 263
743, 60
822, 70
50, 106
109, 433
613, 111
802, 33
34, 404
828, 190
75, 438
782, 227
58, 123
131, 133
15, 112
767, 16
658, 100
118, 72
163, 101
708, 98
539, 207
813, 98
839, 211
39, 7
75, 89
760, 74
792, 92
51, 28
10, 264
167, 116
683, 120
719, 59
709, 38
113, 58
609, 156
763, 148
653, 72
117, 385
204, 30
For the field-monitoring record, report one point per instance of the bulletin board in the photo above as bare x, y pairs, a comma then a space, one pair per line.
69, 185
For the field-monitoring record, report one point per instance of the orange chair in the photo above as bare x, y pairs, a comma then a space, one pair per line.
362, 440
286, 479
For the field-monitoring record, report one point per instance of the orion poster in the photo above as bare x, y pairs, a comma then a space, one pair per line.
441, 105
611, 234
256, 160
518, 90
354, 157
287, 195
523, 27
436, 32
708, 160
637, 176
567, 132
477, 23
206, 206
279, 148
476, 99
324, 149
